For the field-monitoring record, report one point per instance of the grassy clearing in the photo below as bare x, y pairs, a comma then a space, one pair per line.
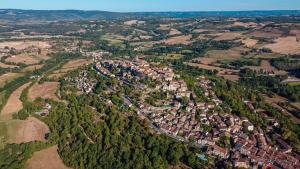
171, 56
3, 135
294, 83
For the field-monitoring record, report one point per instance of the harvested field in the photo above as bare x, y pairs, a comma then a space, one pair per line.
295, 33
245, 24
8, 77
205, 60
164, 27
286, 45
249, 42
229, 36
46, 159
45, 90
74, 64
296, 104
263, 34
230, 54
28, 130
23, 58
184, 39
145, 37
208, 67
200, 30
174, 32
3, 65
25, 44
131, 22
14, 104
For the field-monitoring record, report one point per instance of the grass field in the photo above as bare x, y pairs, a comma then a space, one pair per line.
294, 83
3, 134
113, 40
171, 56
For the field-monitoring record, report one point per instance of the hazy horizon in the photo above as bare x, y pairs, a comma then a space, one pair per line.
153, 5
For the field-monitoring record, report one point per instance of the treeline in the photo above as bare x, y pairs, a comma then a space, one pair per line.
288, 63
250, 79
14, 156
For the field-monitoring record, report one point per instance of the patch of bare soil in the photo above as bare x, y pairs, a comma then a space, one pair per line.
45, 90
46, 159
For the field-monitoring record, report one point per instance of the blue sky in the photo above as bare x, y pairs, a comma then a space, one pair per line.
153, 5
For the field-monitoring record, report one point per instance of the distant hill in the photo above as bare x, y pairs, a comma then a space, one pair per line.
35, 16
224, 13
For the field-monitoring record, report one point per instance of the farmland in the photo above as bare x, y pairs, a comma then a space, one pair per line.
141, 91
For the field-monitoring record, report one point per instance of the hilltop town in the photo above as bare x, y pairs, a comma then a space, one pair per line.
90, 89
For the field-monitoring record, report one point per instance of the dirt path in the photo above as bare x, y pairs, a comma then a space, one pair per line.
14, 104
46, 159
